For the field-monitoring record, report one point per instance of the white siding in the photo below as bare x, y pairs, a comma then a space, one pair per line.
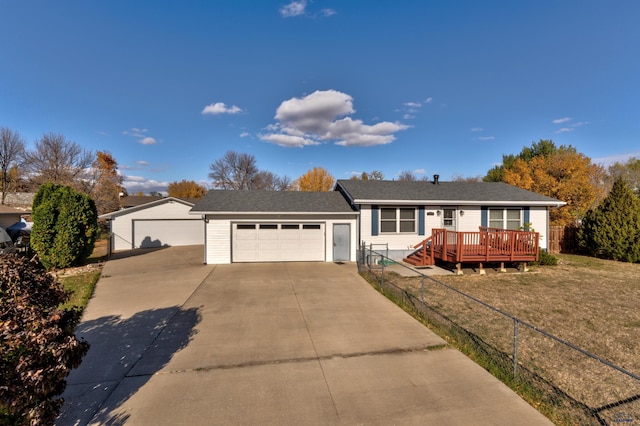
218, 242
218, 245
396, 241
470, 221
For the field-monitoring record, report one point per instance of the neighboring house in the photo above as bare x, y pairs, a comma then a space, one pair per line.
10, 215
22, 200
277, 226
398, 214
161, 222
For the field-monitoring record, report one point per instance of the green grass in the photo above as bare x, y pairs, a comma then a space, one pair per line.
579, 261
81, 287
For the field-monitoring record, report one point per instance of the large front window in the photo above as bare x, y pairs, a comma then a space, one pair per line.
505, 218
398, 220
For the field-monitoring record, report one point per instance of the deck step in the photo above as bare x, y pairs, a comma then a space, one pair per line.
416, 259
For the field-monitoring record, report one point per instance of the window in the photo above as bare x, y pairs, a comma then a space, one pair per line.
505, 218
268, 226
314, 226
397, 220
290, 226
243, 226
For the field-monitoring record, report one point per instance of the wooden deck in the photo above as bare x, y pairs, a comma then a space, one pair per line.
486, 245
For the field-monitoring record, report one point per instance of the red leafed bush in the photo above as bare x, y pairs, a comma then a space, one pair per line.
38, 347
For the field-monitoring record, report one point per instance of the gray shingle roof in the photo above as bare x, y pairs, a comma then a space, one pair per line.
362, 191
233, 201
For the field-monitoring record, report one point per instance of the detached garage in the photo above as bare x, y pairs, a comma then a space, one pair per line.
159, 223
277, 226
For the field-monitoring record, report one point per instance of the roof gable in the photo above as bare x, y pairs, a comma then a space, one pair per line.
248, 201
377, 191
145, 206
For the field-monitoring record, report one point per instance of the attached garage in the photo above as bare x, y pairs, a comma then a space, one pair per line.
275, 226
159, 223
277, 242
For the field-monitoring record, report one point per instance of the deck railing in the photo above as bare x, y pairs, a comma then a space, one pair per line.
488, 244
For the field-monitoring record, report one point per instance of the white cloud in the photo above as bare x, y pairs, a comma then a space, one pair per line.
419, 171
328, 12
288, 141
220, 108
148, 141
413, 104
135, 184
322, 117
142, 163
609, 160
486, 138
477, 129
569, 127
428, 100
244, 134
295, 8
408, 117
141, 135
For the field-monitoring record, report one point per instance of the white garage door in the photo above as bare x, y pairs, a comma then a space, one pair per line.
278, 242
167, 232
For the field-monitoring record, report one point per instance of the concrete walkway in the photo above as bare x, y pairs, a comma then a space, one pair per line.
176, 342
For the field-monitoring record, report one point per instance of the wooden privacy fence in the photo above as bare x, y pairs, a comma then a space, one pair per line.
563, 239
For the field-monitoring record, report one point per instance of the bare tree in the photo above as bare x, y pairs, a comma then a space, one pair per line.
58, 160
270, 181
11, 152
373, 175
105, 183
239, 171
460, 178
407, 175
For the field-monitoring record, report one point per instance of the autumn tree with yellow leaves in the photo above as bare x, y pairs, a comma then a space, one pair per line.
557, 172
316, 179
186, 189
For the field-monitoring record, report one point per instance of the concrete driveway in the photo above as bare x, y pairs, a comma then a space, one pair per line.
177, 342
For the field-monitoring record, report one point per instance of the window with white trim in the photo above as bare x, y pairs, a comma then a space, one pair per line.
397, 220
505, 218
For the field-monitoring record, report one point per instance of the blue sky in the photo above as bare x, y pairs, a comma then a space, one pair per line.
443, 87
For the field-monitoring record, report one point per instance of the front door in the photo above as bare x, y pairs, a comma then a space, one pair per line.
341, 242
449, 219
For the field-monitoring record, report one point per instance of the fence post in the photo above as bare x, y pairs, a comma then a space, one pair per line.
515, 347
422, 297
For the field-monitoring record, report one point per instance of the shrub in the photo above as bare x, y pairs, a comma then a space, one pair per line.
546, 258
612, 230
38, 348
65, 226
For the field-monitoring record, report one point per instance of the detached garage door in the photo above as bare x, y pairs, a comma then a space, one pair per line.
167, 232
278, 242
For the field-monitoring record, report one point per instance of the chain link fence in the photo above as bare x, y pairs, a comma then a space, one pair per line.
568, 384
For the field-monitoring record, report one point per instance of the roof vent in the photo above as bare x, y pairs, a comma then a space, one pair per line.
436, 179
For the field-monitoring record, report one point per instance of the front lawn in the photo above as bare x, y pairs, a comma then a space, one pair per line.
591, 303
81, 286
82, 280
